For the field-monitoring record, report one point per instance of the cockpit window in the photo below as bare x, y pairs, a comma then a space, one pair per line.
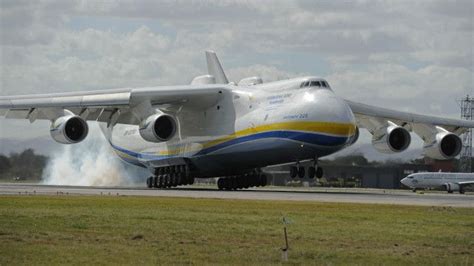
315, 84
410, 177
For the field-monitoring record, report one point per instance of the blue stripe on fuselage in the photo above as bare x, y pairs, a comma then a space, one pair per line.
311, 138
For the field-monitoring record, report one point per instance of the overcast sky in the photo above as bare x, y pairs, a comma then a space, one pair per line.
407, 55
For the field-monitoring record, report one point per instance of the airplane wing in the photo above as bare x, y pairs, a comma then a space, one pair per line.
466, 183
126, 106
440, 135
369, 116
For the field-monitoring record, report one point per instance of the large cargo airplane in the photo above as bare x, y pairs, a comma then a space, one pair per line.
447, 181
217, 128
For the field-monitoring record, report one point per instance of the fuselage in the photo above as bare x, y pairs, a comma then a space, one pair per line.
248, 127
436, 179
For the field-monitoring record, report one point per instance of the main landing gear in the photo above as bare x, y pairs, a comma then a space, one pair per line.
254, 179
170, 176
313, 171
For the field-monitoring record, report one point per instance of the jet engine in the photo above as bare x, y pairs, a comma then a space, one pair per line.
69, 129
445, 146
450, 187
157, 128
250, 81
391, 139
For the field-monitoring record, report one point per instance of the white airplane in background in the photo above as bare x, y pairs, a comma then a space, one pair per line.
216, 128
448, 181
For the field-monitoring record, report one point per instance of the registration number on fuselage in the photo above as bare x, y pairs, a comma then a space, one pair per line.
296, 116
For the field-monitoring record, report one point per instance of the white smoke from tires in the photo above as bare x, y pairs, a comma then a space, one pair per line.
91, 163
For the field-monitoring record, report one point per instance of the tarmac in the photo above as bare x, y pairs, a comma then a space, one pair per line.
343, 195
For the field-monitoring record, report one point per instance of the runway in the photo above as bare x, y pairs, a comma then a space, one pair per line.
350, 195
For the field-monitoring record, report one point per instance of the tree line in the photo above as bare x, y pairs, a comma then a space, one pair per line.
26, 165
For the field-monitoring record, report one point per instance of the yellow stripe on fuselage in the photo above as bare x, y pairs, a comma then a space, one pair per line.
331, 128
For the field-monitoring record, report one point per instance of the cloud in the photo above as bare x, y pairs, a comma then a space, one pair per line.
383, 52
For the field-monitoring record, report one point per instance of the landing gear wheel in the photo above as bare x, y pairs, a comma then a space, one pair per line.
149, 182
240, 182
227, 183
293, 171
311, 172
301, 172
160, 181
247, 181
175, 179
263, 180
319, 172
234, 183
155, 181
190, 180
166, 181
220, 184
461, 191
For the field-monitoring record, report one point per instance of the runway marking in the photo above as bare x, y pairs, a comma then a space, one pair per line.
369, 196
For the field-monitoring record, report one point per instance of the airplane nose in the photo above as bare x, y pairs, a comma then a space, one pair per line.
328, 105
403, 181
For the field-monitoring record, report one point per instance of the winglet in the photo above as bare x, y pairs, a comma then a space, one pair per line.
214, 68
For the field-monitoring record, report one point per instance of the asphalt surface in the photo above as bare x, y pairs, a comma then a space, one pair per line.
352, 195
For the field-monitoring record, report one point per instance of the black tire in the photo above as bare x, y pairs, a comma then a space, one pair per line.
293, 171
301, 172
461, 190
256, 180
263, 180
190, 180
247, 180
155, 182
149, 182
220, 183
167, 181
319, 172
227, 183
240, 182
175, 179
311, 172
160, 181
233, 183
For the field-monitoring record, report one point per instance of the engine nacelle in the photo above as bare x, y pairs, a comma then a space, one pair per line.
250, 81
69, 129
445, 146
204, 79
157, 128
450, 187
391, 139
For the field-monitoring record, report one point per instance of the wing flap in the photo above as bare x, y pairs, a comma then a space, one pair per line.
361, 109
466, 183
127, 106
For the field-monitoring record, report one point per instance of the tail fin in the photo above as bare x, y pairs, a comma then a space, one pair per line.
214, 68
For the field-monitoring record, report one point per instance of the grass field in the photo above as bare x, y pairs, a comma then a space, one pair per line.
151, 230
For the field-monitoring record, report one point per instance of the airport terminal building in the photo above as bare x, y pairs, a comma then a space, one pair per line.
367, 176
